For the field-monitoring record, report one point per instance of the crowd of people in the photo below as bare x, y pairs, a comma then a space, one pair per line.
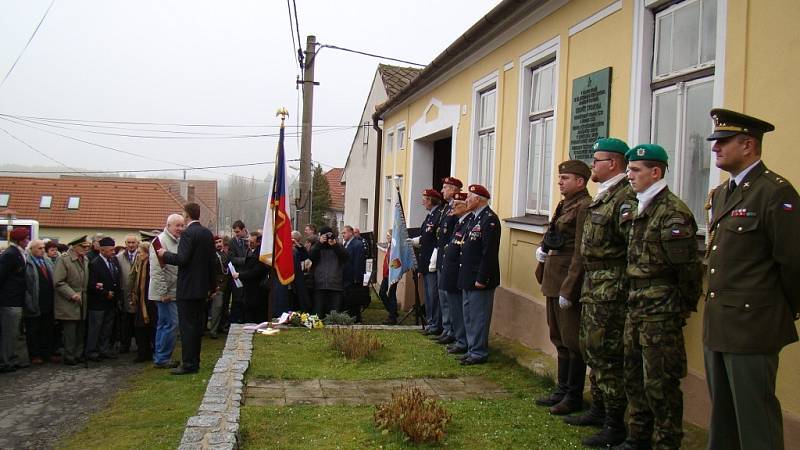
91, 300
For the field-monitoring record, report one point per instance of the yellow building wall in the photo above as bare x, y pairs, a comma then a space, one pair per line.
761, 64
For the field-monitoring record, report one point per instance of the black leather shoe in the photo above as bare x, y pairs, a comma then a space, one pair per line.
182, 371
70, 362
566, 406
456, 350
469, 361
446, 340
550, 400
607, 437
632, 444
167, 365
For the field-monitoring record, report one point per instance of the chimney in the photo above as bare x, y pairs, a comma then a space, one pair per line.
184, 189
190, 193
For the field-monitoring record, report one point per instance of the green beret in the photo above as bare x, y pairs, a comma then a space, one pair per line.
612, 145
575, 167
647, 152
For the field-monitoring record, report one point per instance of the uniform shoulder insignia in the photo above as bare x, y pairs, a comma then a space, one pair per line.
675, 221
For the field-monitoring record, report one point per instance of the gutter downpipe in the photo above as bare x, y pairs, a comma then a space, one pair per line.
376, 208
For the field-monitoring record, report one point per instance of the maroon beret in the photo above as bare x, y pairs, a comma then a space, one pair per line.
460, 196
19, 234
477, 189
453, 181
432, 193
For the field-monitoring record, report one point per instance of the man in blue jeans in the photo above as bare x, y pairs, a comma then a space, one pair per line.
163, 287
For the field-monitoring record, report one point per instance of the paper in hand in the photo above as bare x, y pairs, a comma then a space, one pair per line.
236, 281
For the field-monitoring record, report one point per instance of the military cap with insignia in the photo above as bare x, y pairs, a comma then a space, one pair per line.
647, 152
729, 123
453, 181
612, 145
79, 241
147, 236
477, 189
432, 193
460, 196
575, 167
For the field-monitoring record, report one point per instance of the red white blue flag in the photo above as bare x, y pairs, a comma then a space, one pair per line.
276, 242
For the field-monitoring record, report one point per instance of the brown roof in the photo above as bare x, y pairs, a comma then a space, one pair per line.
205, 192
396, 78
104, 203
334, 177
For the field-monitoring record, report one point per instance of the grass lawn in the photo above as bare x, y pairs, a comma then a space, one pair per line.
151, 411
476, 424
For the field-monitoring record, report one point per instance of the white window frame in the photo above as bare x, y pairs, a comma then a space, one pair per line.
363, 220
548, 50
5, 198
365, 127
390, 140
389, 183
401, 136
74, 202
656, 40
483, 86
46, 202
640, 111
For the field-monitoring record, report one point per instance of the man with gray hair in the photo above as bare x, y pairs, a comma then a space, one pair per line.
163, 286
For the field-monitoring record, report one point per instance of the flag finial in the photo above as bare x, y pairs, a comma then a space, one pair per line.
283, 113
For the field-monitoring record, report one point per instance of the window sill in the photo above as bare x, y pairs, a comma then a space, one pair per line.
533, 223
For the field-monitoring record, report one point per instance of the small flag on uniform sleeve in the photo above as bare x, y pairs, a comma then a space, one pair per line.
788, 207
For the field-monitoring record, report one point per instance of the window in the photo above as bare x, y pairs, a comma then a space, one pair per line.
363, 214
46, 201
390, 141
4, 198
483, 157
401, 137
73, 202
541, 101
682, 88
365, 133
389, 198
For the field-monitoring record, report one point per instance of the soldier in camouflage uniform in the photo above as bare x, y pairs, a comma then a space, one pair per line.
604, 249
665, 278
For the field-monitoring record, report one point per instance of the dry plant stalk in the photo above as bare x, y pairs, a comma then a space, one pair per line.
419, 416
352, 343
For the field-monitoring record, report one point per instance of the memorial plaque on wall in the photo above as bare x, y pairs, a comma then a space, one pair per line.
590, 94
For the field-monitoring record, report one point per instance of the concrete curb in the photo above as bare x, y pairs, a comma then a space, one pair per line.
216, 425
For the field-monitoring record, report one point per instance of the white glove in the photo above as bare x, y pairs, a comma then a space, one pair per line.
564, 302
415, 241
541, 256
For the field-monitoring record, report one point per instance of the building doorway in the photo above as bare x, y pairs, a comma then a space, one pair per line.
442, 149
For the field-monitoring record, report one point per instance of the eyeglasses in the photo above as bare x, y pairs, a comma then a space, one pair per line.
595, 160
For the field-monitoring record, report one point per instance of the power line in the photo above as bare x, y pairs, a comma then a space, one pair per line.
35, 30
335, 47
87, 172
291, 32
39, 151
299, 41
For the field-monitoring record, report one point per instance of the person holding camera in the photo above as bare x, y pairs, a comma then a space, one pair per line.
328, 258
561, 282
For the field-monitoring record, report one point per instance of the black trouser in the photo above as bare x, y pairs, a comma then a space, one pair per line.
40, 335
145, 342
237, 305
192, 324
353, 301
326, 300
125, 329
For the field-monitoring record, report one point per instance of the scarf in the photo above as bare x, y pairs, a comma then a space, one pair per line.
137, 280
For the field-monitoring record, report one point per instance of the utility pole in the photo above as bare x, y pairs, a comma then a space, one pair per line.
303, 202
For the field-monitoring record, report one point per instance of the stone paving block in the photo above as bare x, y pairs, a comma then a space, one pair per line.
264, 392
212, 407
304, 384
194, 446
221, 438
260, 382
226, 446
203, 421
192, 435
318, 401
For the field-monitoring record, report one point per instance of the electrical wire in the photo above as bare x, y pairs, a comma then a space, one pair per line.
35, 30
291, 32
335, 47
40, 152
87, 172
299, 41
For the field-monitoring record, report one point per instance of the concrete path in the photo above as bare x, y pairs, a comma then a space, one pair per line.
42, 404
364, 392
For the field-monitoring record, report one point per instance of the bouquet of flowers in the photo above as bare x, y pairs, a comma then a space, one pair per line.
297, 319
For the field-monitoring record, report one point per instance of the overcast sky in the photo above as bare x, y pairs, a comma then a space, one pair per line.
199, 62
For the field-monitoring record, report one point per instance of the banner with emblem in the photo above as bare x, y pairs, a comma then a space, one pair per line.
401, 254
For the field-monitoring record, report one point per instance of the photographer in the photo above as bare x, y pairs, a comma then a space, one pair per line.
328, 258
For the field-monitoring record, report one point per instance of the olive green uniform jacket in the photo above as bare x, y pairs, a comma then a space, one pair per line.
753, 265
70, 277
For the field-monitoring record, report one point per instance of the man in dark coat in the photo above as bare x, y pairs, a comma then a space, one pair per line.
255, 276
561, 285
195, 260
753, 296
105, 291
237, 253
328, 258
449, 266
479, 274
355, 293
12, 296
426, 243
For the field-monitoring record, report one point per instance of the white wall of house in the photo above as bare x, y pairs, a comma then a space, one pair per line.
359, 172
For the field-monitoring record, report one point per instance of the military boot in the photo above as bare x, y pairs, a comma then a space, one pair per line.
576, 377
632, 444
595, 417
613, 432
558, 393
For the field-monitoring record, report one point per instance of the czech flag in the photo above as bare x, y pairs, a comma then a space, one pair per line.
276, 242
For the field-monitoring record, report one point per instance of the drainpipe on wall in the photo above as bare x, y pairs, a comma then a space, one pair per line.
376, 207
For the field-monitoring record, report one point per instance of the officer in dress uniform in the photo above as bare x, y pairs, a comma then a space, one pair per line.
753, 297
665, 278
426, 242
479, 273
604, 247
448, 273
447, 222
562, 279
